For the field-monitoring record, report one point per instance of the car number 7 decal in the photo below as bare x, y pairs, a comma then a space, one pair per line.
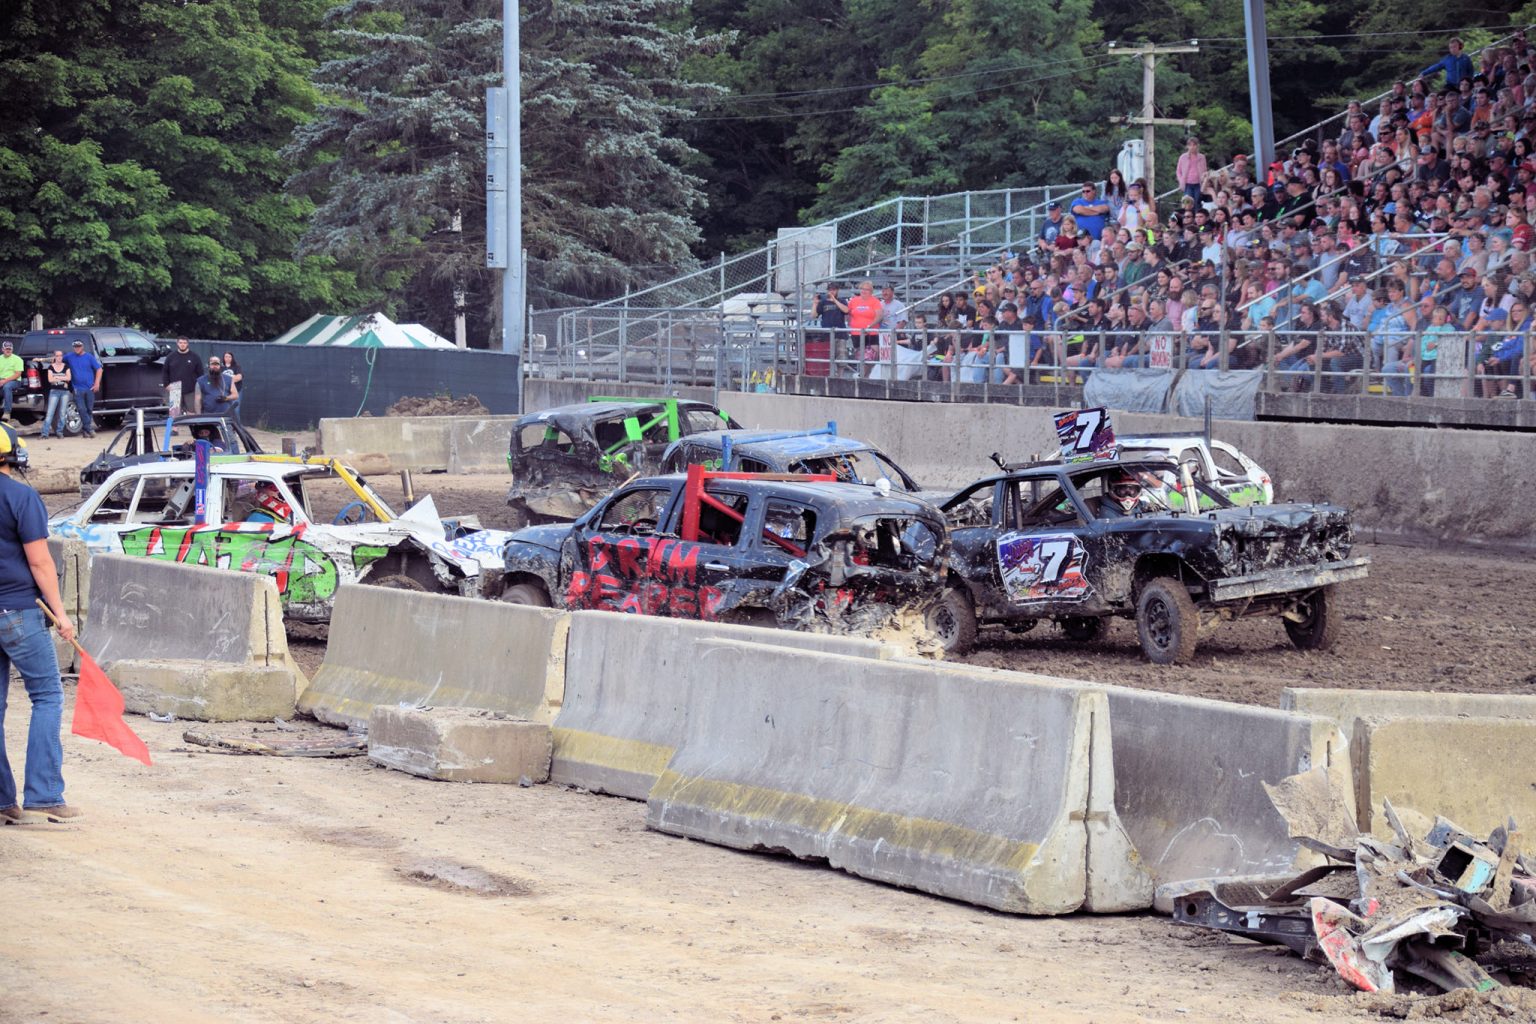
1037, 567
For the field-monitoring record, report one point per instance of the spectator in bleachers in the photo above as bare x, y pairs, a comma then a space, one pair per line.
1192, 168
1456, 65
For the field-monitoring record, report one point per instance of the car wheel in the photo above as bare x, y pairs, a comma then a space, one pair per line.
1316, 626
952, 619
529, 594
1167, 622
1084, 628
398, 581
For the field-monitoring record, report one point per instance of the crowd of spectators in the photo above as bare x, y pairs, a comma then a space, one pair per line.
1394, 252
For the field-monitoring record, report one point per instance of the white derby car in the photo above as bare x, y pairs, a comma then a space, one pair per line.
1215, 463
147, 511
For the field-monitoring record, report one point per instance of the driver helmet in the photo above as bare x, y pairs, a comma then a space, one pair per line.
269, 500
1125, 489
13, 450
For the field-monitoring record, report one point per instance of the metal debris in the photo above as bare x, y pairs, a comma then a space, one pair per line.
1450, 910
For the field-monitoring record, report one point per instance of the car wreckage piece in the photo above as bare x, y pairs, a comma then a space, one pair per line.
794, 551
1449, 909
564, 459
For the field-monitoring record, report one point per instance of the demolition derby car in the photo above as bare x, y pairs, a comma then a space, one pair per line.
161, 440
564, 459
1239, 479
257, 518
802, 552
819, 451
1078, 542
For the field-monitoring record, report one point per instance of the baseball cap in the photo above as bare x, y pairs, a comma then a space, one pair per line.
1469, 270
1007, 307
1426, 148
1053, 205
1496, 316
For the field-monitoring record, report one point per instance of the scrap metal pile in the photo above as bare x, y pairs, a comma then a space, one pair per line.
1452, 910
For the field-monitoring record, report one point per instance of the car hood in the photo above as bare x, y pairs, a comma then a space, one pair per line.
550, 536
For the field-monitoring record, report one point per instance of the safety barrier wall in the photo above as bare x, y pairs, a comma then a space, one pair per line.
404, 647
627, 680
72, 562
1344, 706
964, 786
453, 444
196, 642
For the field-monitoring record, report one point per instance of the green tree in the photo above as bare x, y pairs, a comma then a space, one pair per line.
139, 172
608, 200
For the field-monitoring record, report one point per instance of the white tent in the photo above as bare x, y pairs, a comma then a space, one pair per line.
373, 330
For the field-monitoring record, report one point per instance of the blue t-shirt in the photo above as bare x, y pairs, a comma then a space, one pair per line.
1093, 223
82, 369
22, 520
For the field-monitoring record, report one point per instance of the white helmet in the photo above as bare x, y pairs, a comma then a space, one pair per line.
1124, 489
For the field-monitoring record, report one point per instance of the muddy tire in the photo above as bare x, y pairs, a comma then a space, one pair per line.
952, 621
530, 594
398, 581
1167, 622
1319, 627
1084, 628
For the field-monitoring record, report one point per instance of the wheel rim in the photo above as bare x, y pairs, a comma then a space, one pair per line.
1159, 619
943, 623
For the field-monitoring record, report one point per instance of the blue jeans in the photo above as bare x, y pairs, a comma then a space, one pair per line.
25, 643
9, 387
1398, 382
85, 401
54, 417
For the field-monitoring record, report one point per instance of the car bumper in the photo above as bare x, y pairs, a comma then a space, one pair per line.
1286, 581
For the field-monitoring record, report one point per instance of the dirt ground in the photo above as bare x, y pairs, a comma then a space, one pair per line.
236, 888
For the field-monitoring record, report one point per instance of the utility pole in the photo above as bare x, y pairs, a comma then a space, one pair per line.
1149, 52
504, 183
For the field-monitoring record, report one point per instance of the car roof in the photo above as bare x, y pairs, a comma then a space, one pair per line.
1040, 470
1182, 438
224, 465
852, 500
802, 446
586, 412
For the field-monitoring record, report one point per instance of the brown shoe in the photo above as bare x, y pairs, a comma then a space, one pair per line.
56, 813
12, 815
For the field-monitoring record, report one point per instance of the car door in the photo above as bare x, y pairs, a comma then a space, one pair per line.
619, 557
117, 371
1043, 549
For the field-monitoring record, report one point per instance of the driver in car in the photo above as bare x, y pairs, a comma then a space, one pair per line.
1122, 495
270, 506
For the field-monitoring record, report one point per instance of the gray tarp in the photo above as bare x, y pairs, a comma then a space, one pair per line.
1232, 394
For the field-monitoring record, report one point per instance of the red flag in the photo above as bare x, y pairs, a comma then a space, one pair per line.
99, 712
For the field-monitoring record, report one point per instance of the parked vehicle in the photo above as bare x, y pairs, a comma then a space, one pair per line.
564, 459
801, 451
160, 445
146, 510
131, 363
798, 552
1217, 463
1053, 541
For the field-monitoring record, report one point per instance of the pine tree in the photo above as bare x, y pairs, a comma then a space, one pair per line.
608, 200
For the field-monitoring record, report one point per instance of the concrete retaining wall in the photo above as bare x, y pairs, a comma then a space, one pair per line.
962, 786
404, 647
452, 444
626, 698
199, 643
1344, 706
1476, 772
1404, 483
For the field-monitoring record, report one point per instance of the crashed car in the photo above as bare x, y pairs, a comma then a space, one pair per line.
819, 451
258, 518
564, 459
157, 443
1053, 541
799, 552
1239, 479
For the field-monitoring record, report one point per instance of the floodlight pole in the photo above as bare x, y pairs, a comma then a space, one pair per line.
1258, 86
514, 289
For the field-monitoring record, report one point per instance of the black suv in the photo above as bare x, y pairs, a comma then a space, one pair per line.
131, 363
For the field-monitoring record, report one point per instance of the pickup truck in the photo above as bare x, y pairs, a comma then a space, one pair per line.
131, 363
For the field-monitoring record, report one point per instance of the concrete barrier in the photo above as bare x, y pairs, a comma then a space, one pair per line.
404, 647
1344, 706
626, 693
455, 444
1477, 772
459, 745
1188, 777
199, 643
968, 787
72, 562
